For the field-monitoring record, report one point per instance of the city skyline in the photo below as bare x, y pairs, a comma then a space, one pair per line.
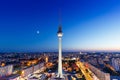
32, 25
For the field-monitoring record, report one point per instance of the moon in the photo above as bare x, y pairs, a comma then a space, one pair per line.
38, 31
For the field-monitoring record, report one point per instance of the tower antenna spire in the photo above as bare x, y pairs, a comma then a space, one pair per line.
60, 17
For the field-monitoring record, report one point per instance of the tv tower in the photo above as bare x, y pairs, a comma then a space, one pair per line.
60, 34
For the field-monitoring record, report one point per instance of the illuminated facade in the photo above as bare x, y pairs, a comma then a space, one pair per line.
6, 70
116, 63
101, 75
29, 70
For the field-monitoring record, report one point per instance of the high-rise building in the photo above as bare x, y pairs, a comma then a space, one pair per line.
99, 74
6, 70
116, 63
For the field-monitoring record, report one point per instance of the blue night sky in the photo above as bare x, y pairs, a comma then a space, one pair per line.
87, 25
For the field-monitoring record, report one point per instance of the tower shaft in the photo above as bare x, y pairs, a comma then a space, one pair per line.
60, 58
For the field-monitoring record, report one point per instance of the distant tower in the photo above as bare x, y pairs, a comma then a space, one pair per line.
60, 34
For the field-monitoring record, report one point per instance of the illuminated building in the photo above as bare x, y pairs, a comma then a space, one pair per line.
46, 59
116, 63
101, 75
29, 70
6, 70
